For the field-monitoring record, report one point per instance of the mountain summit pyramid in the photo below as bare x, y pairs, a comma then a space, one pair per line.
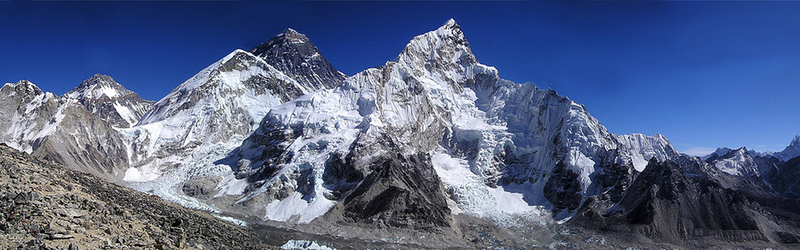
293, 54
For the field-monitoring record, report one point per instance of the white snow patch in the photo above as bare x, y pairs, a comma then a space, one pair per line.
125, 113
305, 245
512, 203
231, 186
296, 208
231, 220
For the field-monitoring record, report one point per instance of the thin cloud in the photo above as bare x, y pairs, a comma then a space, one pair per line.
699, 151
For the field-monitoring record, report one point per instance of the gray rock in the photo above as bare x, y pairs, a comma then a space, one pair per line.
58, 236
200, 186
70, 212
403, 191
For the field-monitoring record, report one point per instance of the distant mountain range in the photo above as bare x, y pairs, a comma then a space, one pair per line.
431, 143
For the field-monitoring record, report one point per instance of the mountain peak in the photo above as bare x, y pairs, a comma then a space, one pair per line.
795, 141
103, 96
293, 35
98, 86
296, 56
447, 38
446, 48
451, 29
450, 24
289, 37
98, 78
25, 87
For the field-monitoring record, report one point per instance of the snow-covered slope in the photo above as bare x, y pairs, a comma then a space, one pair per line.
433, 131
111, 101
643, 148
490, 141
26, 113
736, 162
201, 121
222, 104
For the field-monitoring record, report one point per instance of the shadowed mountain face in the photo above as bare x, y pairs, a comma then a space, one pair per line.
293, 54
679, 204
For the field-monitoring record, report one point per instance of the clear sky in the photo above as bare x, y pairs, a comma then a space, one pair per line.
704, 74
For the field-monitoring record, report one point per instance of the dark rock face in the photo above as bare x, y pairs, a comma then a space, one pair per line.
402, 191
700, 204
85, 142
667, 203
784, 178
563, 189
242, 62
46, 206
293, 54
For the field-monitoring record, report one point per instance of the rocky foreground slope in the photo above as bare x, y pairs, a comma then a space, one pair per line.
46, 206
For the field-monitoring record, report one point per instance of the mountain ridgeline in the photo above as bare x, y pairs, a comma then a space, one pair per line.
433, 142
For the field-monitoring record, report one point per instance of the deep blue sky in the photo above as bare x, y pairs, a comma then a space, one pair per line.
704, 74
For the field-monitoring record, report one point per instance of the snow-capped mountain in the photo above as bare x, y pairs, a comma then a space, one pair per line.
643, 148
434, 109
207, 115
111, 101
195, 125
737, 162
791, 151
61, 129
189, 131
25, 114
296, 56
